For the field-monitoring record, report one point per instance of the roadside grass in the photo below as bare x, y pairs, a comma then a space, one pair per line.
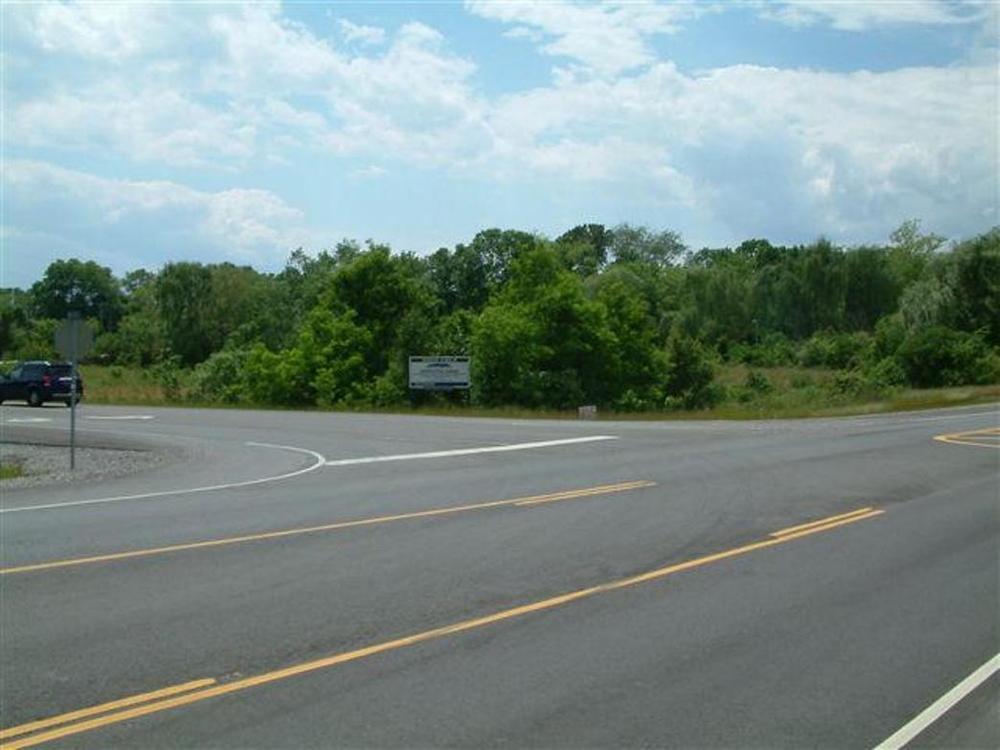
132, 386
11, 470
771, 393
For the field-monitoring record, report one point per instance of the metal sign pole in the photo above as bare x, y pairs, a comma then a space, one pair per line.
73, 340
72, 398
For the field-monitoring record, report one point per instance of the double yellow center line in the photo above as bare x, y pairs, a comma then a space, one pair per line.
604, 489
106, 714
985, 438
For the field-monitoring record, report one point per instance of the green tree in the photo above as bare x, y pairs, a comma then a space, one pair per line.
506, 356
872, 289
14, 320
459, 279
584, 248
910, 251
974, 274
690, 373
569, 351
631, 244
498, 249
139, 338
80, 286
184, 298
642, 361
377, 287
719, 305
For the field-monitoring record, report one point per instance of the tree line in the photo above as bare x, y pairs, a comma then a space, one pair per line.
623, 317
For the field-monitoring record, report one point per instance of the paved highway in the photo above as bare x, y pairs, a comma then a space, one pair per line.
317, 580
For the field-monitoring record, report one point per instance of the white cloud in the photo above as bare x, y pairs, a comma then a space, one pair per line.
750, 146
607, 38
755, 150
244, 225
371, 172
146, 125
114, 33
353, 32
860, 16
102, 30
234, 102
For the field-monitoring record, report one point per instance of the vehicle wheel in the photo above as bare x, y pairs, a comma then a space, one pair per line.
34, 398
68, 402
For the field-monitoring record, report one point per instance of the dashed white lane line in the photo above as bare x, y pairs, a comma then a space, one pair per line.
189, 491
941, 706
27, 420
469, 451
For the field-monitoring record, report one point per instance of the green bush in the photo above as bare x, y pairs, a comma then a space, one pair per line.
937, 357
840, 351
757, 382
221, 377
887, 373
773, 351
890, 332
802, 380
630, 401
690, 375
168, 375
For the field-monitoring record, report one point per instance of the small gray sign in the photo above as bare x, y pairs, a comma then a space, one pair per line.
74, 337
439, 373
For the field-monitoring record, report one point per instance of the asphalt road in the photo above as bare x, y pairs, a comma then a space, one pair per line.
598, 584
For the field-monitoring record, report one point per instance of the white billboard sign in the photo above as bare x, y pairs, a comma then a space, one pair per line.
439, 373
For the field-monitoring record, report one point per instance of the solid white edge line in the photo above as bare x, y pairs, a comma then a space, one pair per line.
941, 706
121, 417
468, 451
320, 460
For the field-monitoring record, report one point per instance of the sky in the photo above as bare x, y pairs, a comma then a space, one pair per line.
135, 134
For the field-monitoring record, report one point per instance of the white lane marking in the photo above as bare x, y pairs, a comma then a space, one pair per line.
27, 420
898, 420
124, 416
468, 451
941, 706
320, 460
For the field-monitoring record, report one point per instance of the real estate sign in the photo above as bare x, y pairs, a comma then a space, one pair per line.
439, 373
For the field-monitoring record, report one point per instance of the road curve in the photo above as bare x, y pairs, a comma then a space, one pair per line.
318, 579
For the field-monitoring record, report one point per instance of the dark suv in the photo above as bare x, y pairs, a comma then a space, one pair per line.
38, 382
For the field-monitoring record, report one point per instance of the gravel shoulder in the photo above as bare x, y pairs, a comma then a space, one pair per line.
43, 455
48, 464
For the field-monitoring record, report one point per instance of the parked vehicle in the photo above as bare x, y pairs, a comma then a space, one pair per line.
39, 381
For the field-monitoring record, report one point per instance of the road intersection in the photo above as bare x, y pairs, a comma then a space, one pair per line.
317, 579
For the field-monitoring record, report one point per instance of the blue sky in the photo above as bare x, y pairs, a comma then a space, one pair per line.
138, 133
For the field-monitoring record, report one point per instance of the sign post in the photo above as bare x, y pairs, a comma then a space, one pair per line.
73, 340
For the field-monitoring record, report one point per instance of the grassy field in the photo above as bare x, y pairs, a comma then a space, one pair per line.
767, 393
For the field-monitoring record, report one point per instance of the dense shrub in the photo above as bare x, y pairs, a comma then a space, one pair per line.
836, 350
757, 382
221, 377
690, 375
887, 373
774, 350
938, 356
